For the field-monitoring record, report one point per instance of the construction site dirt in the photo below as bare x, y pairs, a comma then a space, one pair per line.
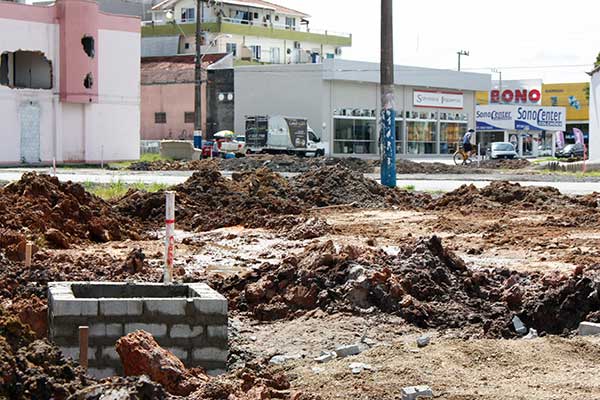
311, 263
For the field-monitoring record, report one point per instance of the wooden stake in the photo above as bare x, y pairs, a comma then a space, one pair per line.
83, 347
28, 251
169, 236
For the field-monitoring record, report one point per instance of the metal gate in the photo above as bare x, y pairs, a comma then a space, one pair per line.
30, 132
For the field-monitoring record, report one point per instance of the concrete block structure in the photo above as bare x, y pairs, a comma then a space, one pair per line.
69, 83
188, 319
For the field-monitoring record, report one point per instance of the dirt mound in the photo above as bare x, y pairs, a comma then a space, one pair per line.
332, 185
207, 200
34, 369
513, 164
502, 194
424, 283
140, 354
277, 163
42, 209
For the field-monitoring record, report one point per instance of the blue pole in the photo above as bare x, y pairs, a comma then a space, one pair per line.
387, 138
388, 150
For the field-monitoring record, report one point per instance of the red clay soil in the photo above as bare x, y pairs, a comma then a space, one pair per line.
42, 209
141, 355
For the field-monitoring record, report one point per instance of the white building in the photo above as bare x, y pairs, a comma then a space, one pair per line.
68, 91
252, 30
341, 100
595, 115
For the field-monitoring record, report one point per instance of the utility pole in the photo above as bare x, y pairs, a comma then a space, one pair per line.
461, 53
387, 137
198, 73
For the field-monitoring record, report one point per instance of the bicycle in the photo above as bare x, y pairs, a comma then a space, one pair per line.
462, 157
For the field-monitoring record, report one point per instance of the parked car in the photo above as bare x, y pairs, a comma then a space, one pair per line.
544, 151
502, 150
571, 151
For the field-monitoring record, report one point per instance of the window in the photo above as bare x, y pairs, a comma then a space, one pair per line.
25, 70
188, 15
277, 18
232, 48
256, 52
88, 81
255, 15
355, 136
186, 46
421, 133
399, 135
189, 117
160, 118
290, 22
242, 17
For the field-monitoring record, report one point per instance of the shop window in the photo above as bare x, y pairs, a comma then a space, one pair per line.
160, 118
421, 137
355, 136
25, 70
88, 45
451, 134
189, 117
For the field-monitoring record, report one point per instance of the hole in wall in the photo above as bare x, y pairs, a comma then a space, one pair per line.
24, 69
88, 46
88, 81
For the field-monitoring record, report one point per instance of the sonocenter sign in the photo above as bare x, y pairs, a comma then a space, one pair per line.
513, 117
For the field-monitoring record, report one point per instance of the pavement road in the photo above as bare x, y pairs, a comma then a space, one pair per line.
421, 182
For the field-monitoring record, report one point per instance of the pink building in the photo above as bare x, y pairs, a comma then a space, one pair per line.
69, 83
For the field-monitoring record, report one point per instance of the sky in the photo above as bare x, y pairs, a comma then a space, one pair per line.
556, 41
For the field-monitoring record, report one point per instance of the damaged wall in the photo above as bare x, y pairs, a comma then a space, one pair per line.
108, 129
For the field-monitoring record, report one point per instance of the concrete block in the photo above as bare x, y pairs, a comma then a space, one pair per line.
326, 357
345, 351
185, 331
166, 306
111, 353
63, 330
416, 392
157, 330
217, 331
73, 352
211, 305
74, 307
121, 307
216, 372
210, 354
178, 352
588, 329
423, 341
102, 330
101, 373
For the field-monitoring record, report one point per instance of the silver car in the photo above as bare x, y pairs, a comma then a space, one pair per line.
502, 150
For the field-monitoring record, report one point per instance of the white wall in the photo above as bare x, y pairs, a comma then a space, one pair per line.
595, 117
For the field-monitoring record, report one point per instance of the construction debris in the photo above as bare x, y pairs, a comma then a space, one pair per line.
416, 392
588, 328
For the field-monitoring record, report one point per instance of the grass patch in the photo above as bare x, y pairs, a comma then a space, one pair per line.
117, 189
577, 174
409, 188
147, 157
544, 159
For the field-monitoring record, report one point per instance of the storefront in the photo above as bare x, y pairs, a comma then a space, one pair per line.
341, 100
528, 128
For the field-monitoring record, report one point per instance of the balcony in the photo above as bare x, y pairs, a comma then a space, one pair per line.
232, 26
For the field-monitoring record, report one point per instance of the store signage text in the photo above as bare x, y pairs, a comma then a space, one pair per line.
517, 96
425, 98
513, 117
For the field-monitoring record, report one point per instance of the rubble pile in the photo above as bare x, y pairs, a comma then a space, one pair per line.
207, 200
42, 209
424, 283
34, 369
279, 163
331, 185
512, 164
499, 194
142, 355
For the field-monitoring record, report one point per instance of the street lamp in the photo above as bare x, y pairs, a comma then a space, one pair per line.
461, 53
497, 71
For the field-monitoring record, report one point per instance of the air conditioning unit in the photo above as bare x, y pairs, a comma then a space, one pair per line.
338, 51
297, 45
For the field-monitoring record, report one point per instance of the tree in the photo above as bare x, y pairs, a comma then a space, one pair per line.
597, 63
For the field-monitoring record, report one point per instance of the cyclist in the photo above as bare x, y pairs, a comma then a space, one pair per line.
466, 142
